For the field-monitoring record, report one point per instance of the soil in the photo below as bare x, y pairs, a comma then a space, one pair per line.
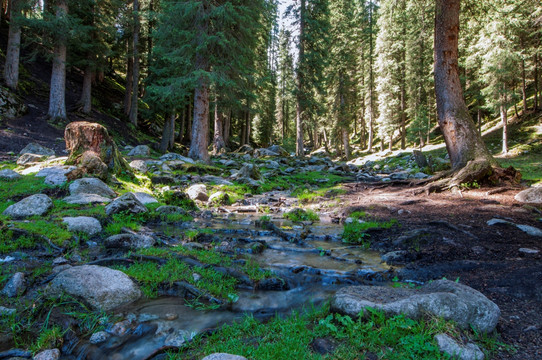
457, 243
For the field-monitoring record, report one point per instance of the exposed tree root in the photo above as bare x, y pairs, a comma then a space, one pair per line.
476, 172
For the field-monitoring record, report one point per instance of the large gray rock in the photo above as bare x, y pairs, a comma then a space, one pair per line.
248, 171
91, 186
140, 151
449, 346
197, 192
55, 175
139, 165
129, 241
532, 195
84, 224
145, 198
27, 158
169, 209
173, 156
101, 287
224, 356
15, 286
217, 180
35, 148
8, 174
33, 205
278, 149
51, 354
126, 203
441, 298
85, 199
264, 152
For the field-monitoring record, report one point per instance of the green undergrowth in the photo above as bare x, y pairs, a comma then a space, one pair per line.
356, 232
152, 276
38, 231
19, 188
373, 336
298, 215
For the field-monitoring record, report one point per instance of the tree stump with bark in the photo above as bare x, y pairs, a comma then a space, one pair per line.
93, 151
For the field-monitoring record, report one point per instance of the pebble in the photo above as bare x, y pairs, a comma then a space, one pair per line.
147, 317
51, 354
171, 316
99, 337
529, 251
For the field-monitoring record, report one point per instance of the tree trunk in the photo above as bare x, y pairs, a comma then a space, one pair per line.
129, 80
299, 150
200, 126
371, 81
227, 128
167, 132
248, 130
346, 144
57, 94
504, 119
218, 139
524, 86
11, 67
135, 81
86, 93
463, 142
536, 99
190, 120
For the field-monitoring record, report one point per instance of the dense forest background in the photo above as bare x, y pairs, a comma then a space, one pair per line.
338, 74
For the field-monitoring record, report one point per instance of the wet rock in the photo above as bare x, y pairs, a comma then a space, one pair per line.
140, 151
219, 198
101, 287
91, 186
99, 337
15, 286
84, 224
198, 192
178, 338
126, 203
8, 174
129, 241
27, 158
323, 346
35, 205
169, 209
84, 199
224, 356
147, 317
145, 198
120, 328
441, 298
139, 165
52, 354
35, 148
171, 316
275, 284
532, 195
450, 347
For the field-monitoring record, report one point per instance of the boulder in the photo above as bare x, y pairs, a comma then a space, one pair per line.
532, 195
198, 192
245, 149
264, 152
248, 171
126, 203
173, 156
55, 175
15, 286
101, 287
441, 298
11, 106
145, 198
8, 174
220, 198
101, 155
129, 241
84, 199
217, 180
27, 158
84, 224
450, 347
278, 149
35, 148
140, 151
169, 209
33, 205
91, 186
223, 356
139, 165
51, 354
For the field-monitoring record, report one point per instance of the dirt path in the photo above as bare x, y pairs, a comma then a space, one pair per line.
449, 237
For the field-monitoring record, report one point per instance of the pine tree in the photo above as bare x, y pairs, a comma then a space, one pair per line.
57, 94
11, 67
286, 83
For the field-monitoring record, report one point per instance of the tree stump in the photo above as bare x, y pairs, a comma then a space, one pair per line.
93, 151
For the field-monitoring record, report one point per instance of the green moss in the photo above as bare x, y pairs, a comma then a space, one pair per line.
22, 187
123, 220
298, 215
356, 231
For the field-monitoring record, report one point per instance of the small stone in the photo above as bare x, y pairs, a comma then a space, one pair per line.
197, 277
52, 354
140, 151
224, 356
449, 346
198, 192
15, 286
147, 317
530, 230
171, 316
178, 339
85, 199
60, 261
529, 251
145, 198
99, 337
120, 328
6, 311
129, 241
84, 224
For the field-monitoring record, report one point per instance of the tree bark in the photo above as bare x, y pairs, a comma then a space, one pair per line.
524, 86
463, 142
11, 67
299, 150
135, 81
57, 94
504, 120
536, 82
86, 93
182, 125
129, 80
167, 133
227, 128
371, 81
346, 144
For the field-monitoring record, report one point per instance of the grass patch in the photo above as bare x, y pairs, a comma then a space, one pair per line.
290, 338
356, 232
19, 188
180, 199
124, 220
51, 230
298, 215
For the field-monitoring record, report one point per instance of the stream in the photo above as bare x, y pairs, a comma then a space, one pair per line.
312, 269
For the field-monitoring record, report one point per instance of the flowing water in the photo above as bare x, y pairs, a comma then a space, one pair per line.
313, 268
